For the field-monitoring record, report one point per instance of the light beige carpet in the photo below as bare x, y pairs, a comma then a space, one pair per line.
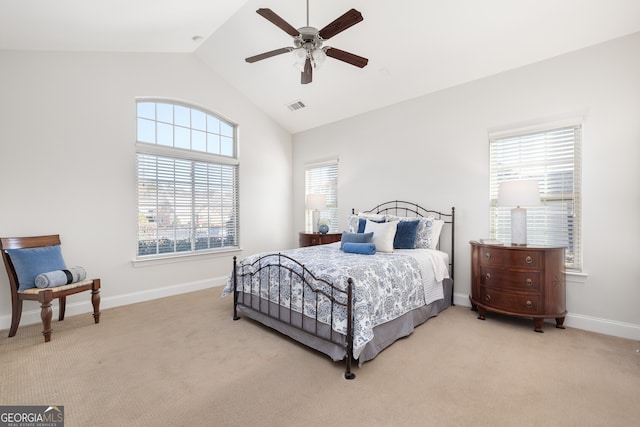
182, 361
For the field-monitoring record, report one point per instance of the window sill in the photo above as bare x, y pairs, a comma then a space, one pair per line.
575, 277
174, 258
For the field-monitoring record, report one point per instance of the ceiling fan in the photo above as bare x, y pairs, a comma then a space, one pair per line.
308, 42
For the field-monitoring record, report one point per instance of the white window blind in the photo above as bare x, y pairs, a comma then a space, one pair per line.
322, 178
553, 158
187, 192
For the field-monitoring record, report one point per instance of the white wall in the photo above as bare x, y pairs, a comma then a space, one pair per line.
434, 150
67, 153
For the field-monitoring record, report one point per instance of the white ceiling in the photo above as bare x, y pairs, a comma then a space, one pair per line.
414, 47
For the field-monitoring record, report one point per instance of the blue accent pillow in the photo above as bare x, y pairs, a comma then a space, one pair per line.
28, 263
406, 235
360, 248
362, 223
355, 238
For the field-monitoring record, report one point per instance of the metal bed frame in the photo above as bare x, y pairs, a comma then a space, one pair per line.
271, 265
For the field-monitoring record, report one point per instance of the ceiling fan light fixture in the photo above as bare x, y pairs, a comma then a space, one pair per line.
300, 55
319, 57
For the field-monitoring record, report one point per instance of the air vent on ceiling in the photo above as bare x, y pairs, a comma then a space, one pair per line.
296, 105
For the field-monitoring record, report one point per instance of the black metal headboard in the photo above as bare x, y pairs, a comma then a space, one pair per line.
407, 209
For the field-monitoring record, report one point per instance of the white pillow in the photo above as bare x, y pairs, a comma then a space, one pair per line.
436, 228
383, 234
373, 216
352, 223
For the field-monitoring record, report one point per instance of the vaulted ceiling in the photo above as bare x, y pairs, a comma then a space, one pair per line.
414, 47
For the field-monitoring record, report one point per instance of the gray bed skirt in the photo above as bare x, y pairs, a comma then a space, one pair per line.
384, 335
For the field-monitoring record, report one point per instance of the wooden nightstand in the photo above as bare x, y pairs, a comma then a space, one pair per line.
519, 281
312, 239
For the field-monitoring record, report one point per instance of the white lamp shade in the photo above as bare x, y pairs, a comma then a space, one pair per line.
519, 193
316, 201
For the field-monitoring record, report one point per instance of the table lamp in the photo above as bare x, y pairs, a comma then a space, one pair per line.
315, 202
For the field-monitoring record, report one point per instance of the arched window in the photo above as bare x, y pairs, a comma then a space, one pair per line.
187, 172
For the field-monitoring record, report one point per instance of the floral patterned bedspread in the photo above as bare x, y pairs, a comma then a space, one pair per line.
386, 285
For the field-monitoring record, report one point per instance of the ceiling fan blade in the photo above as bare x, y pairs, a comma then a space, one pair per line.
348, 19
266, 55
347, 57
271, 16
306, 74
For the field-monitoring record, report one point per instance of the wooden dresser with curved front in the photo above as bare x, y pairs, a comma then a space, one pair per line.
522, 281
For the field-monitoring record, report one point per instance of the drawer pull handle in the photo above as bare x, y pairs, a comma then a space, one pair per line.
488, 276
528, 260
487, 255
529, 304
529, 282
487, 297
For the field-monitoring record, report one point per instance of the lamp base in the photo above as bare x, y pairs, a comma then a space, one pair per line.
519, 226
315, 219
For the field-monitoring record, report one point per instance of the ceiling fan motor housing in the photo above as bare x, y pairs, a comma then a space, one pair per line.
308, 38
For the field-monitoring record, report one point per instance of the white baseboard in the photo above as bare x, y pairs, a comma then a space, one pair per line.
603, 326
32, 315
587, 323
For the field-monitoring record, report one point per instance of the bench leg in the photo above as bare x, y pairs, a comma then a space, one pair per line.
63, 306
95, 300
16, 314
46, 313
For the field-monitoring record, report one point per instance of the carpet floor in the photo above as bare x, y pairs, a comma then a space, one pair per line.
182, 361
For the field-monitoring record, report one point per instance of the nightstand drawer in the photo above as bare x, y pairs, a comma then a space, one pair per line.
528, 281
309, 239
519, 303
510, 258
313, 239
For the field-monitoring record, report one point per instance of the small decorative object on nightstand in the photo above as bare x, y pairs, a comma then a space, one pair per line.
312, 239
519, 281
323, 225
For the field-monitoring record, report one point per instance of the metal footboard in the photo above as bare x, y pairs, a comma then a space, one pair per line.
260, 287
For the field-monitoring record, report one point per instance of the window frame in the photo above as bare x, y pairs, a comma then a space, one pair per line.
315, 183
567, 211
196, 163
